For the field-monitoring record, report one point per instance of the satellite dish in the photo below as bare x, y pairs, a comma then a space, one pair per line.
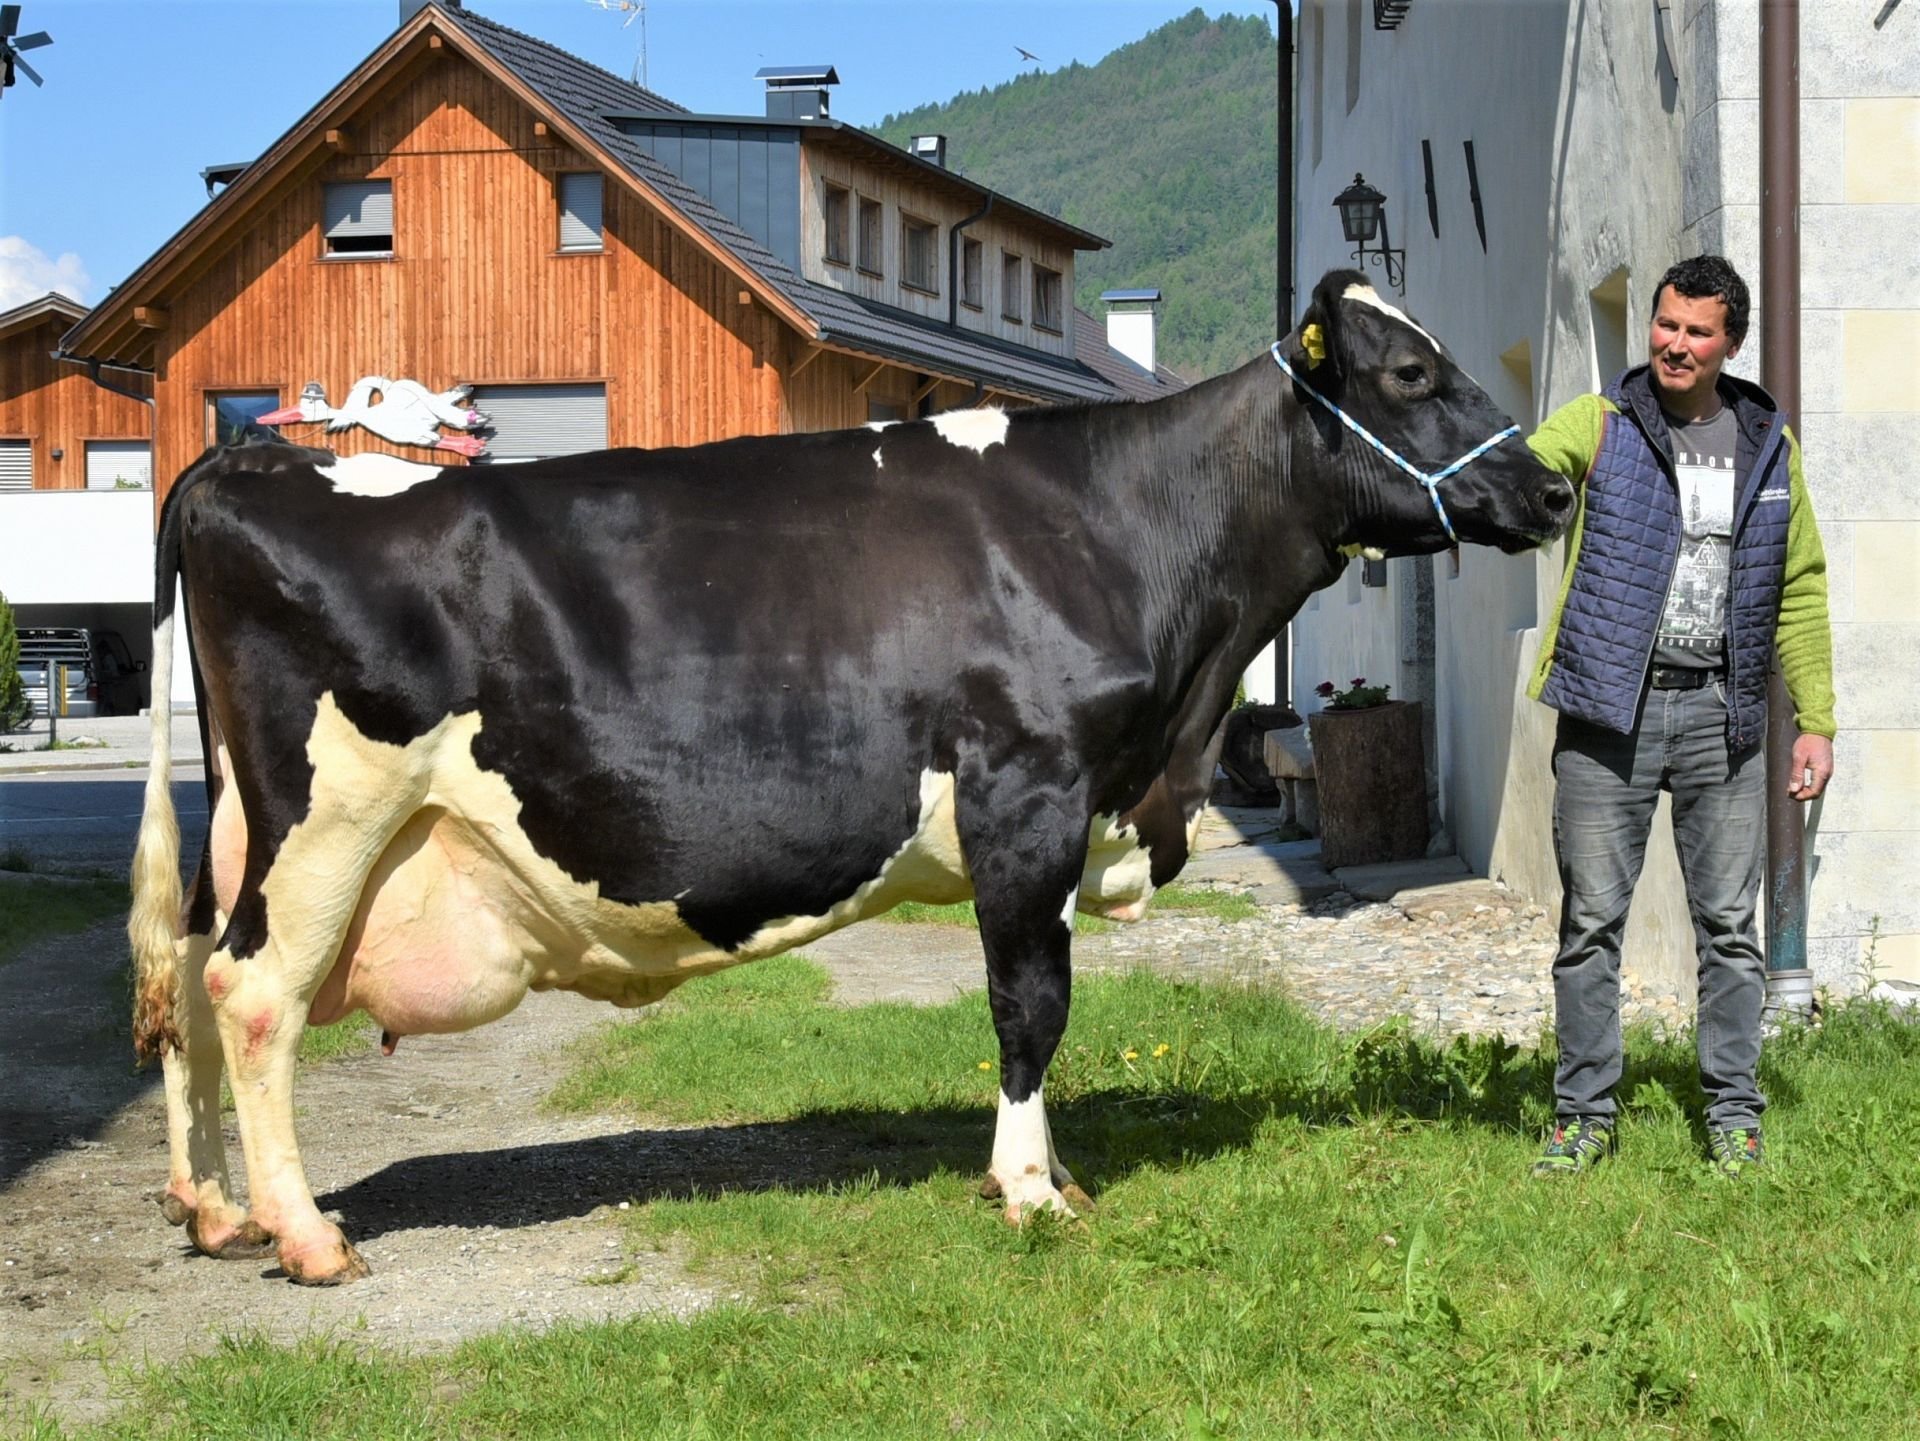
10, 47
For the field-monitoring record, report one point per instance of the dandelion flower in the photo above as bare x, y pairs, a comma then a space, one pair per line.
1161, 1050
1133, 1055
986, 1065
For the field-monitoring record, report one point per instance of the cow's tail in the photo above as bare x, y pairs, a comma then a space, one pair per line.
154, 926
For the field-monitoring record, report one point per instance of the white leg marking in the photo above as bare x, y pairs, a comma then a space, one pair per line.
1367, 295
975, 429
376, 475
1066, 911
1023, 1159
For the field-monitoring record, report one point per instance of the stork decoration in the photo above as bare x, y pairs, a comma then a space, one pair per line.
407, 413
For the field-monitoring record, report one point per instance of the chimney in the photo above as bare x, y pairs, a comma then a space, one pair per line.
411, 8
797, 92
1130, 325
930, 148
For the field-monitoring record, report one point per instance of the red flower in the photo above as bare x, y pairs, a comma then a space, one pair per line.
1325, 688
1358, 680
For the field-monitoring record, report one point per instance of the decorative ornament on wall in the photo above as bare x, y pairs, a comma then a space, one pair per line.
407, 413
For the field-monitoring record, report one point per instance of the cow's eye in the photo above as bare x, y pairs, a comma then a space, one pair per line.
1411, 374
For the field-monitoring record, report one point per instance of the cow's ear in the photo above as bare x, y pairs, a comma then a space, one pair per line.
1319, 342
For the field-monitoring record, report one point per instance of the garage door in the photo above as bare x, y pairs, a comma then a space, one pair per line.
530, 422
119, 465
16, 465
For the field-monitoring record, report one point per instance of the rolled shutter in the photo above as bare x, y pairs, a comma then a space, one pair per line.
16, 465
112, 462
530, 422
580, 199
360, 210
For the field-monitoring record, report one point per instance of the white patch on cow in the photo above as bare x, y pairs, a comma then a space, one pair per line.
975, 429
1073, 903
1367, 295
1117, 881
376, 475
877, 425
876, 458
1029, 1173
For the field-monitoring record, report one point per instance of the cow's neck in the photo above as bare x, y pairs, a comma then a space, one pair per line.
1239, 517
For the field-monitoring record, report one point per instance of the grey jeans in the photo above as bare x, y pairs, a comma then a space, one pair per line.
1606, 788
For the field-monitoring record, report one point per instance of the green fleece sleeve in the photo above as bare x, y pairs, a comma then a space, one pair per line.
1568, 440
1804, 636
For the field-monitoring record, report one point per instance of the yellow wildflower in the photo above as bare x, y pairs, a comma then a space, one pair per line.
1133, 1055
1161, 1050
986, 1065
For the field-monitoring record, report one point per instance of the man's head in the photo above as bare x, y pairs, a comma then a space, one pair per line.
1700, 310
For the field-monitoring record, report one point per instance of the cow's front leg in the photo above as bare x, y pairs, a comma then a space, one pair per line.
1026, 876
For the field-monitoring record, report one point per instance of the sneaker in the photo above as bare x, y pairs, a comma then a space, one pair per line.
1736, 1151
1576, 1146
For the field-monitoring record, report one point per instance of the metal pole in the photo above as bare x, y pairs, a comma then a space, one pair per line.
1283, 261
56, 697
1789, 981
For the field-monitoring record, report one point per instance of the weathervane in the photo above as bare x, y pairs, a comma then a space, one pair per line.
10, 48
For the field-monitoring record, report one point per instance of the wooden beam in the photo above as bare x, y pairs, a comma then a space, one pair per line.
150, 317
814, 352
434, 42
871, 376
746, 297
540, 131
338, 140
924, 391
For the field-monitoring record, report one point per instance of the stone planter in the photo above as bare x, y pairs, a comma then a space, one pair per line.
1372, 784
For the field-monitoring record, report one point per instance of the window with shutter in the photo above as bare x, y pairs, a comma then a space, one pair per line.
580, 206
16, 465
119, 465
531, 422
359, 217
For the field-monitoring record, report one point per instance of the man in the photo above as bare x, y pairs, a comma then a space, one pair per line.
1693, 555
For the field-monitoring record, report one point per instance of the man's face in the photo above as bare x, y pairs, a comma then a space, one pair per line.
1688, 344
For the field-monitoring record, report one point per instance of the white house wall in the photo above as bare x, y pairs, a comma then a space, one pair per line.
1859, 422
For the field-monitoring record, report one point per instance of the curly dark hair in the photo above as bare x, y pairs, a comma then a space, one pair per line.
1711, 275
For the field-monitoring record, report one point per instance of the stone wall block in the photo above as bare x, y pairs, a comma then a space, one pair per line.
1858, 255
1822, 359
1861, 876
1880, 361
1886, 558
1874, 676
1883, 150
1841, 52
1876, 784
1861, 467
1823, 151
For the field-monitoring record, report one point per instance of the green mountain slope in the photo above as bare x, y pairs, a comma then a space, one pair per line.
1166, 148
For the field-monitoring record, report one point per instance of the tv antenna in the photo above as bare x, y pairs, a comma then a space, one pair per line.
634, 10
10, 57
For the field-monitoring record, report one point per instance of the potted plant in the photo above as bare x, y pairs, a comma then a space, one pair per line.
1371, 774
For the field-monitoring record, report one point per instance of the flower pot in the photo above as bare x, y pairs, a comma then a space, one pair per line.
1372, 780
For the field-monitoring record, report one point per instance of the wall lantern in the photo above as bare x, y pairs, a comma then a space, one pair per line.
1363, 214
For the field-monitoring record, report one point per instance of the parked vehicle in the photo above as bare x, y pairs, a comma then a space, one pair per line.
117, 673
42, 648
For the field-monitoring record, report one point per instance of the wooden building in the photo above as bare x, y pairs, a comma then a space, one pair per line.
58, 430
472, 206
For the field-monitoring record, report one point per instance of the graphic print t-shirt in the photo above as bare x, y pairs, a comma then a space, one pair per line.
1693, 627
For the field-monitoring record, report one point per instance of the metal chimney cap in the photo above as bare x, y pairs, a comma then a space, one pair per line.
797, 75
1148, 296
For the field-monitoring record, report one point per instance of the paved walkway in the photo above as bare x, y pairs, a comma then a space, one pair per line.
95, 743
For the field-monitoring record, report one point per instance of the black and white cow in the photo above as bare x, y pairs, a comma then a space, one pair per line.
607, 722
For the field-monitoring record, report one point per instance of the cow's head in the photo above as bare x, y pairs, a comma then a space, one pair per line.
1379, 366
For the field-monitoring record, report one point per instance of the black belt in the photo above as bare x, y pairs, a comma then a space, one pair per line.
1682, 677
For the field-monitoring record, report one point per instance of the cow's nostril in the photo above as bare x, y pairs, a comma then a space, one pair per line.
1559, 501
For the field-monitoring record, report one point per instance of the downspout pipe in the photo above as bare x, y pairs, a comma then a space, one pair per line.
1789, 980
1283, 258
953, 260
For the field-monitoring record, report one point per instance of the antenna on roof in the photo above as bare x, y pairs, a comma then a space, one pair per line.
635, 10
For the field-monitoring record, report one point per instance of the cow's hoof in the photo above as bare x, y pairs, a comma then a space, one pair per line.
177, 1211
1078, 1201
229, 1240
332, 1264
990, 1187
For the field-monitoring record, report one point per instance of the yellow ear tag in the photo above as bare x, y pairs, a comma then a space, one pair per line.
1315, 344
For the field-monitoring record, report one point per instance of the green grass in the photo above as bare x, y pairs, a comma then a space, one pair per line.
1299, 1234
34, 910
353, 1036
1174, 900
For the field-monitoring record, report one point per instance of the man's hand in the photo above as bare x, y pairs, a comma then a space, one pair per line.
1812, 767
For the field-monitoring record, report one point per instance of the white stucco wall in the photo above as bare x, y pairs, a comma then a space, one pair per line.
1859, 423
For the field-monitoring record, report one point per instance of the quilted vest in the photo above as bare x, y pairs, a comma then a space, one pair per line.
1630, 542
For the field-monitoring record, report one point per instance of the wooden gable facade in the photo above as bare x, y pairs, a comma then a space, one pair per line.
687, 342
53, 419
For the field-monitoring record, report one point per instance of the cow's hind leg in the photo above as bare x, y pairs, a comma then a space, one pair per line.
1026, 851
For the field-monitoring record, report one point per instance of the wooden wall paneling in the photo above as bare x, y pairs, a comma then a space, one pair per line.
57, 407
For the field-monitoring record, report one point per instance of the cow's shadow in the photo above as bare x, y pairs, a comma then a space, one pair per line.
1103, 1138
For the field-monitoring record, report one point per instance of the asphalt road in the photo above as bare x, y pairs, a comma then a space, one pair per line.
74, 822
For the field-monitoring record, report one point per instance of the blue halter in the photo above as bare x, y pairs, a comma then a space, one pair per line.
1431, 482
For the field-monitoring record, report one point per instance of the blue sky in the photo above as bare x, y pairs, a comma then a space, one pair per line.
102, 165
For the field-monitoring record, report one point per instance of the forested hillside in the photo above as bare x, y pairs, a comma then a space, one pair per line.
1166, 148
